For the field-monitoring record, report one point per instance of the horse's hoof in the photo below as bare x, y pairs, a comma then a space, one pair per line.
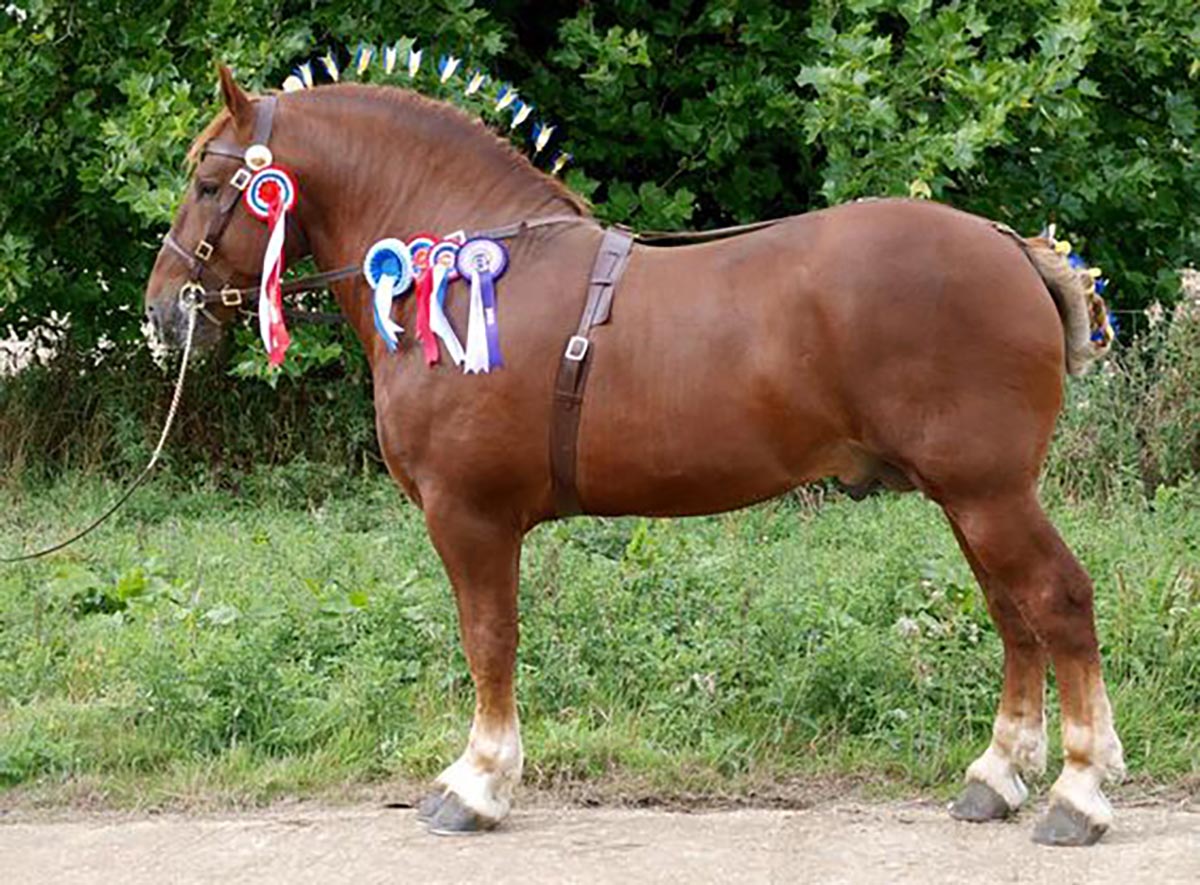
978, 803
1064, 825
429, 806
453, 818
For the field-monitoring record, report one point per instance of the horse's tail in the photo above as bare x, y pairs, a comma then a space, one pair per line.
1087, 331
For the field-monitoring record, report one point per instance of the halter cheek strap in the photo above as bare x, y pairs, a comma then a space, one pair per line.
197, 259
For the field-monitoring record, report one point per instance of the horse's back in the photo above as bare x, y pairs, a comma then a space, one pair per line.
883, 336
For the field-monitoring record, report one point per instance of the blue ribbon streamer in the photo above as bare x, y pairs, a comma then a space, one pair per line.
488, 289
380, 327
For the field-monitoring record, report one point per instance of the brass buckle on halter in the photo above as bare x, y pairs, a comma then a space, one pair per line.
241, 178
204, 250
191, 296
231, 297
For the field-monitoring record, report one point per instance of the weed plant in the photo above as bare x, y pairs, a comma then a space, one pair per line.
268, 614
280, 640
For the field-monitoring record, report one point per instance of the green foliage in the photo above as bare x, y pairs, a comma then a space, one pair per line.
98, 103
1133, 424
678, 113
1064, 110
107, 422
305, 626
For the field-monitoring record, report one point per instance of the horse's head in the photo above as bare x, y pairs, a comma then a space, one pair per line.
214, 242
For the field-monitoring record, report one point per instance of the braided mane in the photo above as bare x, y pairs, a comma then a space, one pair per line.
457, 124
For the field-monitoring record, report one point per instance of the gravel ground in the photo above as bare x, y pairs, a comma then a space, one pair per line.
834, 842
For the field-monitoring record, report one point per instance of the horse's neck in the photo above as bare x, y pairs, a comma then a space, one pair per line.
377, 166
368, 171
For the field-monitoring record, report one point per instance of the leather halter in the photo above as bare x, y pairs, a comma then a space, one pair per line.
193, 291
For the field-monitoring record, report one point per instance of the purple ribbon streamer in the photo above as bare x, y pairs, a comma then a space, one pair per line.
488, 290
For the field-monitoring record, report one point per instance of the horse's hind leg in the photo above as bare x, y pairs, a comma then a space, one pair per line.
994, 787
481, 556
1019, 549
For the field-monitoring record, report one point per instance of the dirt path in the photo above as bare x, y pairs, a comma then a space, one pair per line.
852, 843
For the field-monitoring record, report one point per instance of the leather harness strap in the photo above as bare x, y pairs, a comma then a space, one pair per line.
571, 381
569, 386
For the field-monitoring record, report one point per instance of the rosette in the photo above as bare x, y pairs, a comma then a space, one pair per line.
267, 185
388, 268
442, 260
482, 261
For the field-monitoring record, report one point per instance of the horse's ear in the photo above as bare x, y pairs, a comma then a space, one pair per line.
238, 102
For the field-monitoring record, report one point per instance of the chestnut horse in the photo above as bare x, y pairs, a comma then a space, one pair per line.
894, 341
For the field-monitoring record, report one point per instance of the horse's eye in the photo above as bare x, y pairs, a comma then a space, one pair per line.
207, 188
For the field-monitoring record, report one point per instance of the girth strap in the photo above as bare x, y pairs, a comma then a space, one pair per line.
569, 386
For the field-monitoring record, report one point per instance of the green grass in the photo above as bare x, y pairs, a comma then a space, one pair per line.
272, 641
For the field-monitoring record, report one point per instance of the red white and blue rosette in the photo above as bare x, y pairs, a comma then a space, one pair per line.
482, 261
443, 259
420, 245
267, 185
388, 268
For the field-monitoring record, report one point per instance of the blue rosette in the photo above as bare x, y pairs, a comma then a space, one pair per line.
388, 268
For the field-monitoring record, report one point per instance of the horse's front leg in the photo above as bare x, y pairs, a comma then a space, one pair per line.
481, 557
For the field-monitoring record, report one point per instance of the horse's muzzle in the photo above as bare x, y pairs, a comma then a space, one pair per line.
169, 322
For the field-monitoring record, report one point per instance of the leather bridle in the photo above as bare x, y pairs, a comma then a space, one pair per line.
193, 293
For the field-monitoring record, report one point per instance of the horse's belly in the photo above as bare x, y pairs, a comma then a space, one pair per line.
705, 444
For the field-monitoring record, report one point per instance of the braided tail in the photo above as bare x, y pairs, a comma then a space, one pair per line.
1087, 331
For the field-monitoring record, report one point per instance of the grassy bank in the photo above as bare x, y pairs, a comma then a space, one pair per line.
299, 633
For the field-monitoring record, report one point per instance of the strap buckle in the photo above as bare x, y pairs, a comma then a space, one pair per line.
204, 250
241, 178
577, 348
231, 297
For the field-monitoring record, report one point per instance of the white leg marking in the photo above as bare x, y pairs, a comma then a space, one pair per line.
484, 776
999, 773
1079, 787
1027, 740
1099, 744
1017, 745
1079, 784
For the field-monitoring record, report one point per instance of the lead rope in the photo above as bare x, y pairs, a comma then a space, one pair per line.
141, 478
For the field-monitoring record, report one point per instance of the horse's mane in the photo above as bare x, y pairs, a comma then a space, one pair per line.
457, 125
207, 134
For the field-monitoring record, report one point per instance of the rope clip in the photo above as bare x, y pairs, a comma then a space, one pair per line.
191, 297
